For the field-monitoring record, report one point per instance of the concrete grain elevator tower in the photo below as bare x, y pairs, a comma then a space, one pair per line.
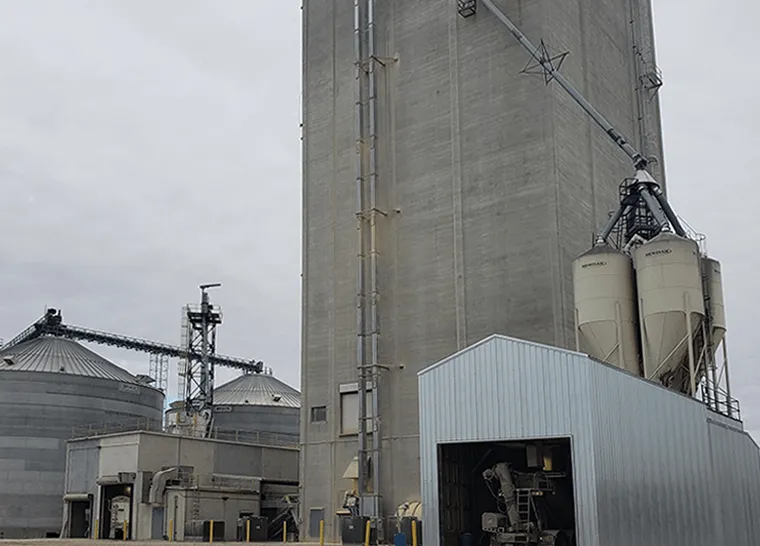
447, 191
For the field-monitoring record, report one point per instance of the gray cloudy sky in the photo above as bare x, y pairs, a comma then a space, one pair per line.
710, 116
148, 146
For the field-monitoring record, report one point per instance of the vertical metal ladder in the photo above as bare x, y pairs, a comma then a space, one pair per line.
523, 505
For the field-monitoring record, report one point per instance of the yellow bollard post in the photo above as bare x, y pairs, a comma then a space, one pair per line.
414, 532
248, 530
284, 531
321, 532
95, 529
126, 526
211, 531
171, 530
367, 531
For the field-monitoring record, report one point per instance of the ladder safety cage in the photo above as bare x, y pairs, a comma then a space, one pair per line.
467, 8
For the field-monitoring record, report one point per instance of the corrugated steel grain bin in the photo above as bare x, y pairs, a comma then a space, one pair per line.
50, 387
254, 407
646, 465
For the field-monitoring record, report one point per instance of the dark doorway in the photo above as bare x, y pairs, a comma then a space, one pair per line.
79, 517
116, 512
157, 527
522, 491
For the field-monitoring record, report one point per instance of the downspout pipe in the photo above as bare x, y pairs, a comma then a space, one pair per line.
360, 289
374, 293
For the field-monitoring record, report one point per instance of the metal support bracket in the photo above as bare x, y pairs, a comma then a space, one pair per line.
467, 8
544, 64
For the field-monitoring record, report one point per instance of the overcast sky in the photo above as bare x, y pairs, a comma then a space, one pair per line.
710, 118
149, 146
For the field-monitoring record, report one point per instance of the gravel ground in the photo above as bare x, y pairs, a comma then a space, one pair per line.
87, 542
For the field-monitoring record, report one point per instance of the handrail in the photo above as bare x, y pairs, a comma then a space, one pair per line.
243, 436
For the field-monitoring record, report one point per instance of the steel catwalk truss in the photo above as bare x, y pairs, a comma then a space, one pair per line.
52, 324
159, 371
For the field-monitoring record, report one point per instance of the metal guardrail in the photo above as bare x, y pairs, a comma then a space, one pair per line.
219, 481
255, 437
115, 427
721, 402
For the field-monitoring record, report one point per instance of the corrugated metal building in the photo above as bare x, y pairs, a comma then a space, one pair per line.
650, 466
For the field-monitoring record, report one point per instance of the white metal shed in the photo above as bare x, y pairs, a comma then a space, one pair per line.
650, 466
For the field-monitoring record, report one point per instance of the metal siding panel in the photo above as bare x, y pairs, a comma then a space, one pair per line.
659, 480
485, 393
736, 483
271, 423
38, 412
60, 356
651, 445
651, 466
257, 389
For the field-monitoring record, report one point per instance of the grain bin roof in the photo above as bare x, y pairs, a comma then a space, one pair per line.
58, 355
257, 389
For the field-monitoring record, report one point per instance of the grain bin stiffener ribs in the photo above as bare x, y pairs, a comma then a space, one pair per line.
52, 324
647, 189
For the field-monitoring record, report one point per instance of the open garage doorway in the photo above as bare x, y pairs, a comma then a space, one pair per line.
116, 512
516, 492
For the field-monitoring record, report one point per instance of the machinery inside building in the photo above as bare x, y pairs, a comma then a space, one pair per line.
114, 510
507, 492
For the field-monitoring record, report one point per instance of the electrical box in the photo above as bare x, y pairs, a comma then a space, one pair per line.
353, 529
372, 506
259, 528
218, 531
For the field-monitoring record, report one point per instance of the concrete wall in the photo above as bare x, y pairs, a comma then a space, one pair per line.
38, 412
490, 182
210, 506
144, 452
211, 456
650, 466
